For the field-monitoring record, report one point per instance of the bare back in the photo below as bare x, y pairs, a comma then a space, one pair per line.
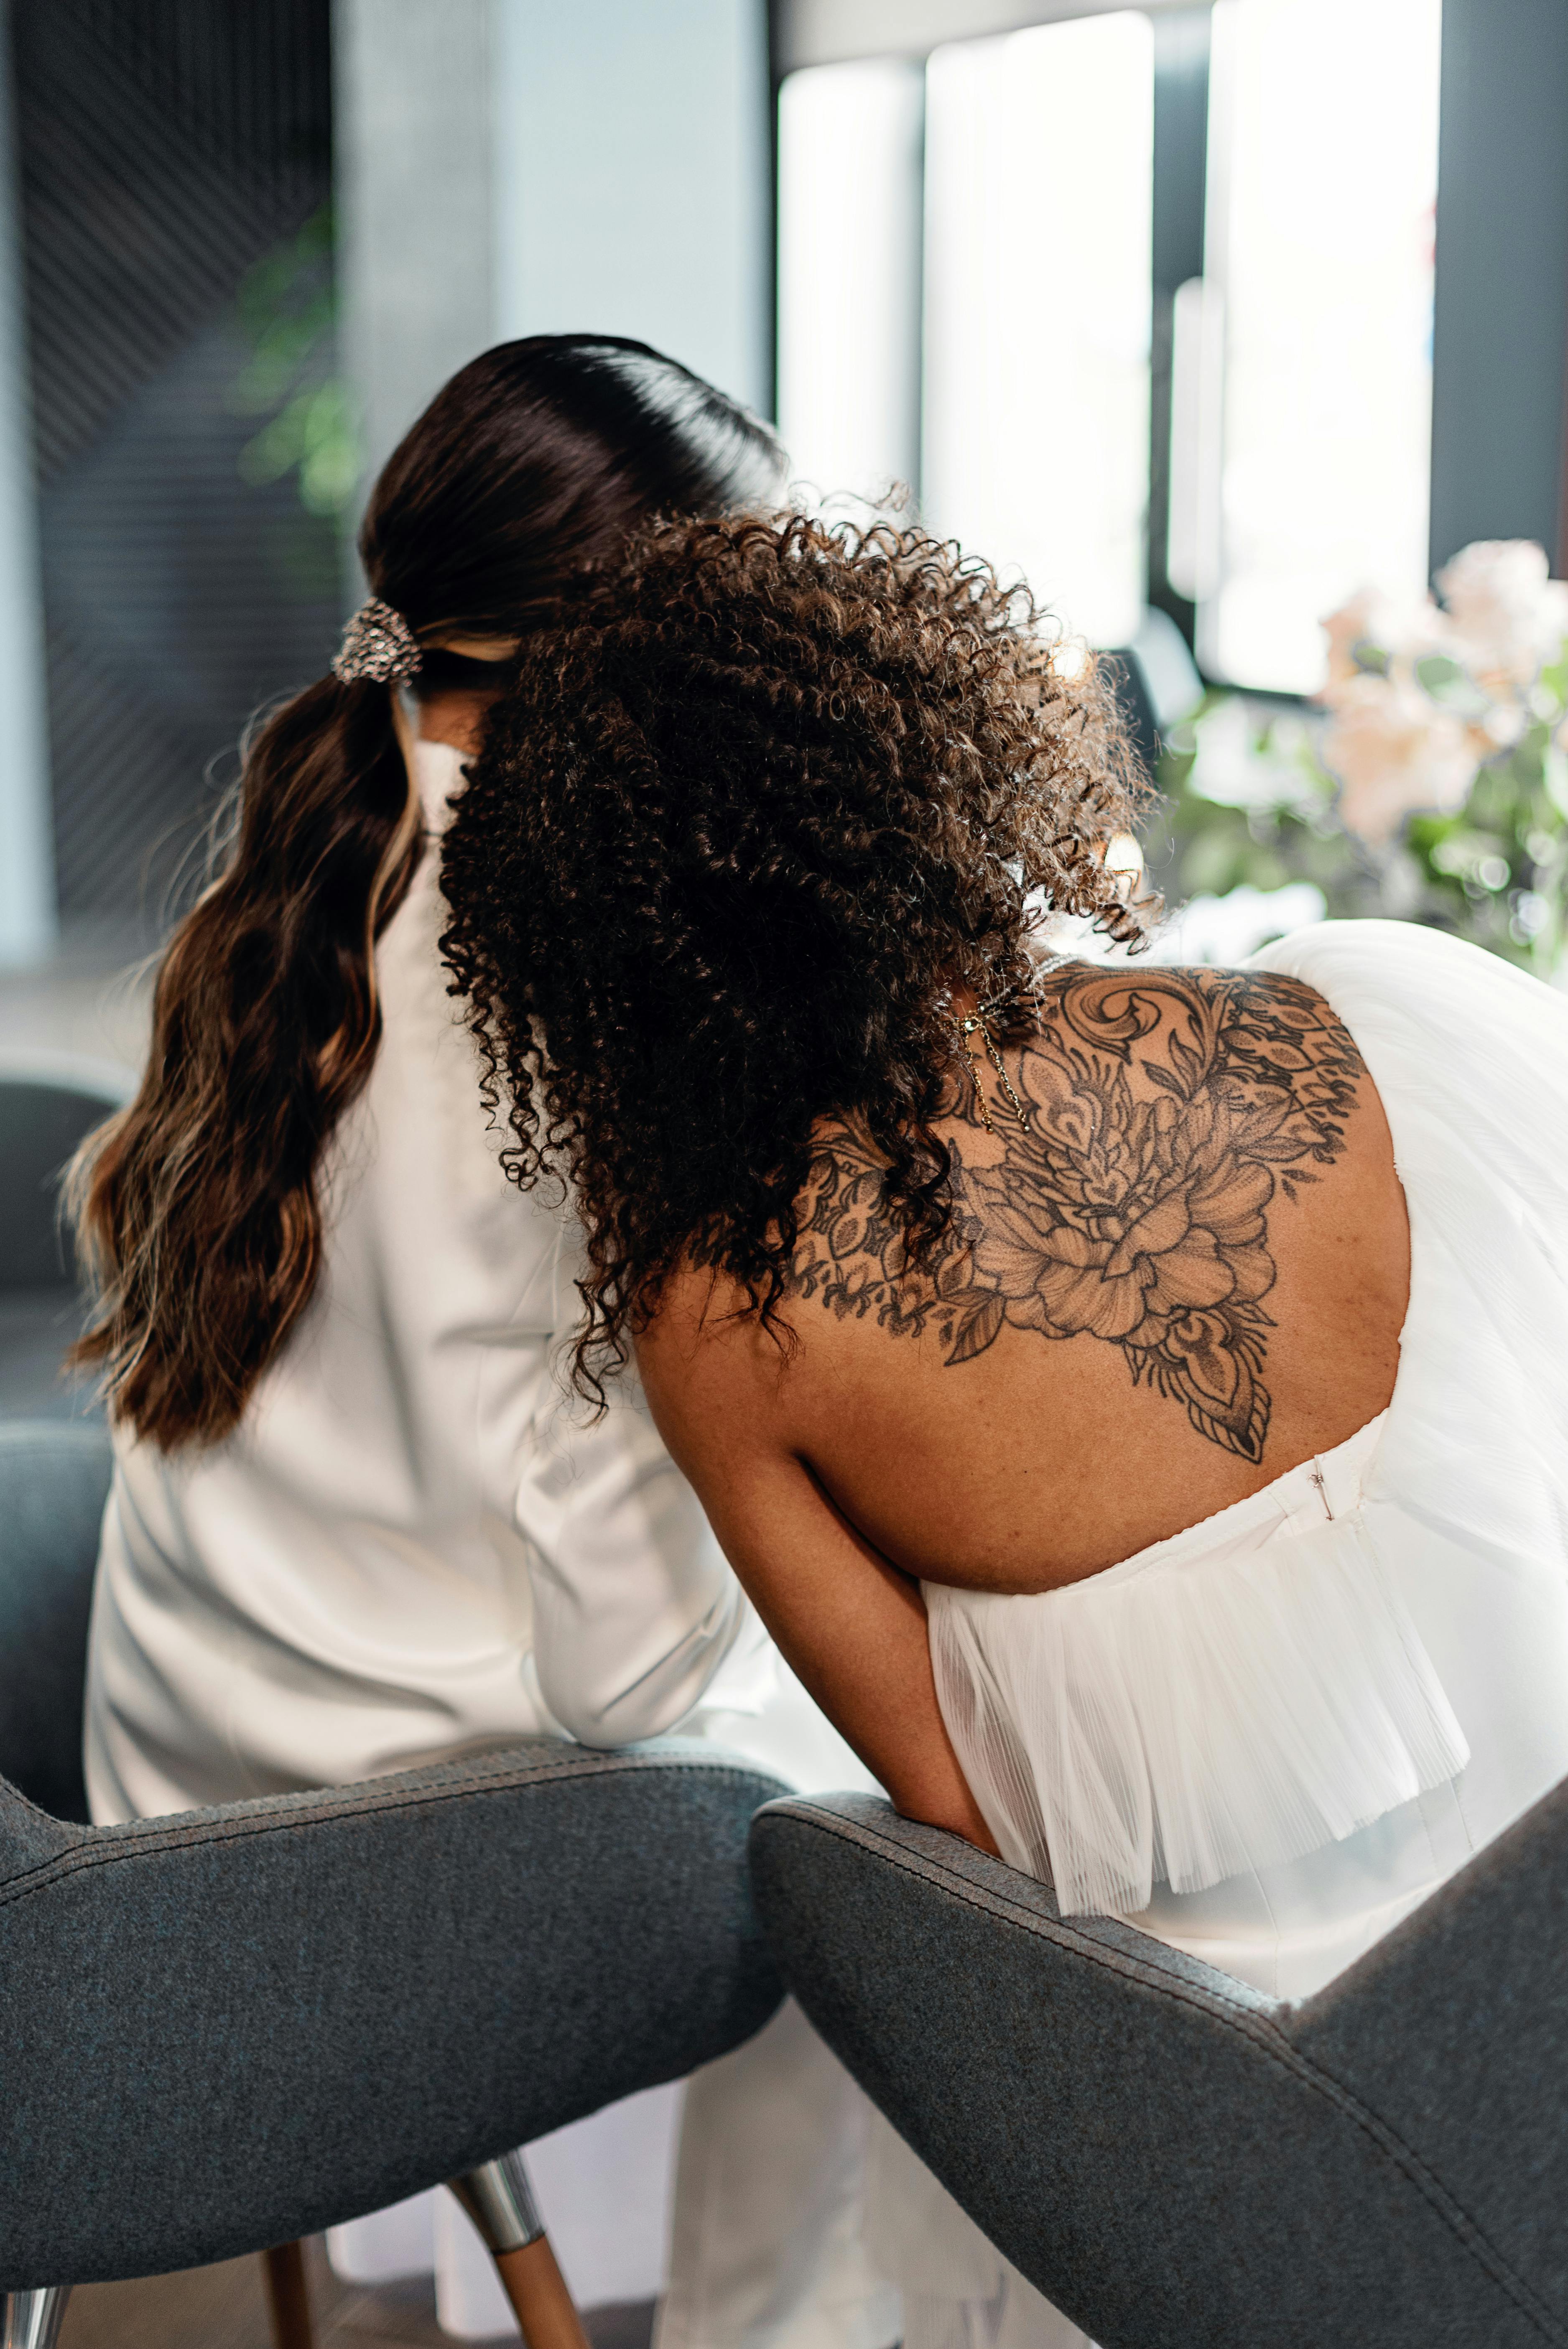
1178, 1267
1186, 1274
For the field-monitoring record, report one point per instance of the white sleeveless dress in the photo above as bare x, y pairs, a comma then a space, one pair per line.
1268, 1739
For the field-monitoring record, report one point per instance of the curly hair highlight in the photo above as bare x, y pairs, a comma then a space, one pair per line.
747, 821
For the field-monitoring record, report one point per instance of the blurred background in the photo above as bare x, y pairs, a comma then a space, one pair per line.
1208, 318
1217, 322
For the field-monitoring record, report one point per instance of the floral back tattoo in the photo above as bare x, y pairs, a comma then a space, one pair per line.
1138, 1218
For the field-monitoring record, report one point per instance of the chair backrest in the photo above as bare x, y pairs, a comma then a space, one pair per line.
53, 1480
48, 1102
238, 2026
1168, 2155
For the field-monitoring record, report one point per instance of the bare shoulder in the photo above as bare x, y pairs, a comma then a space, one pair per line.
1132, 1059
711, 1371
1118, 1064
1182, 1028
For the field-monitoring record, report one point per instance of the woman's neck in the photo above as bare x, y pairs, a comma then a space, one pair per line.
458, 718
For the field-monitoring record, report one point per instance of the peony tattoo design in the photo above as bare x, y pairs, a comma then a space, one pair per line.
1138, 1216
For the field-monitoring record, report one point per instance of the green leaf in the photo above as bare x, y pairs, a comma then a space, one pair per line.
1554, 677
1554, 775
286, 311
1448, 684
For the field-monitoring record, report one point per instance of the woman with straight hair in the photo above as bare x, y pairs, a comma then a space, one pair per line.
353, 1527
346, 1533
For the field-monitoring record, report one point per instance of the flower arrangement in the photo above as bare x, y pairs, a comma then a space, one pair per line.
1432, 783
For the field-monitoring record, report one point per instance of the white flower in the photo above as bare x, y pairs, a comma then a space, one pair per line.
1394, 750
1402, 632
1511, 615
1503, 724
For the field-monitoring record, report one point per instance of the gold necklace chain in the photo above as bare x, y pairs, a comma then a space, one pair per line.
976, 1024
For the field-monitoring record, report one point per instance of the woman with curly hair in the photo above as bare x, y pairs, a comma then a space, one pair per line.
1132, 1396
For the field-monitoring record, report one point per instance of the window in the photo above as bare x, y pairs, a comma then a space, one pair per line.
1317, 306
849, 275
1040, 154
1013, 390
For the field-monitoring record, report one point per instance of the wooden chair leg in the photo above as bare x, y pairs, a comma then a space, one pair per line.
544, 2309
31, 2320
500, 2200
288, 2297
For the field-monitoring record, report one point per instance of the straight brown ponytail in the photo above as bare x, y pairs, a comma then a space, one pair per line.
197, 1209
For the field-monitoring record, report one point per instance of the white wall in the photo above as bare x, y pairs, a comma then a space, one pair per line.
415, 231
518, 166
631, 187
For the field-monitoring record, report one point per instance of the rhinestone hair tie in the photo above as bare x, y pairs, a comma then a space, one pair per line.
377, 646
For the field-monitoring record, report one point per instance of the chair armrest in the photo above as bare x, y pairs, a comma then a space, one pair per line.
231, 2027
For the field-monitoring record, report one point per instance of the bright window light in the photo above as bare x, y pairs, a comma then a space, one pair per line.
1039, 151
1323, 131
848, 275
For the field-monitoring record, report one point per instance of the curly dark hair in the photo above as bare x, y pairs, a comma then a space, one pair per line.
744, 822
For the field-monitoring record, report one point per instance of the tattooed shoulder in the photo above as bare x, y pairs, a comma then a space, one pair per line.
1163, 1115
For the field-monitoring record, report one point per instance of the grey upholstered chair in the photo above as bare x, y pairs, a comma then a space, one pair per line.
226, 2030
1176, 2161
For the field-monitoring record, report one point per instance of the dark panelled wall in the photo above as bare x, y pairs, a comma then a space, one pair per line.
1498, 372
165, 146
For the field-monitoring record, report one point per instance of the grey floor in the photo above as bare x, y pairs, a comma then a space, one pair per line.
224, 2307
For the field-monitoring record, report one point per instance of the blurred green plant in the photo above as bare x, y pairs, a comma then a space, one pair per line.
1249, 804
1432, 788
287, 314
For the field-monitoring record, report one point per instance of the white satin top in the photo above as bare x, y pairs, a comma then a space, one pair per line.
1269, 1738
412, 1547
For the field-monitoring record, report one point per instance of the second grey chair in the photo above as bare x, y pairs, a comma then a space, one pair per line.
48, 1102
1175, 2160
229, 2029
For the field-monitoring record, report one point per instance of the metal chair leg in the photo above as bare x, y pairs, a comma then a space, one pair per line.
500, 2200
288, 2297
32, 2319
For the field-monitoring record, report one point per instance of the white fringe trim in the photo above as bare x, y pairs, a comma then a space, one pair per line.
1191, 1722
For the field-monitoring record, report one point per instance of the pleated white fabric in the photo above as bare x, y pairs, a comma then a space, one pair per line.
1231, 1699
1268, 1737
